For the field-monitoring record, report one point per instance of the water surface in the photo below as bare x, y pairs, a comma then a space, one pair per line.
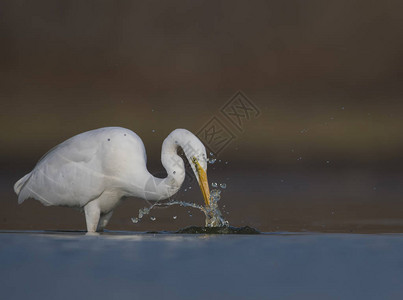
128, 265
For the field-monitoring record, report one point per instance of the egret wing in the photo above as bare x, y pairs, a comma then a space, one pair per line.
70, 174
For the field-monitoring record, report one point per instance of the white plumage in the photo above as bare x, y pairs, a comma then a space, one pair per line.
94, 170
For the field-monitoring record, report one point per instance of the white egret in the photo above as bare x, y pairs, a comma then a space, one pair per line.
94, 170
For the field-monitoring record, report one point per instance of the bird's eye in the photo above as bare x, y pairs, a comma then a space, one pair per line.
194, 159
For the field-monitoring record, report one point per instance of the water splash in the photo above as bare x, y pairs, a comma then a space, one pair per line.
213, 214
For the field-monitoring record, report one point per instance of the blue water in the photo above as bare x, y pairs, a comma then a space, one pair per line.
124, 265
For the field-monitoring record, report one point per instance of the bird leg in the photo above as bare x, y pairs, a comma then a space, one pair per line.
92, 215
103, 221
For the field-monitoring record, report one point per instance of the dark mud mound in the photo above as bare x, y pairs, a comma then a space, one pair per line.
218, 230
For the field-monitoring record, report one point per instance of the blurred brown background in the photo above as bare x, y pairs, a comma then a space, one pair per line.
325, 153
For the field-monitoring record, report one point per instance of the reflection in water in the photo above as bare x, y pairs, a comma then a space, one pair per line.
213, 214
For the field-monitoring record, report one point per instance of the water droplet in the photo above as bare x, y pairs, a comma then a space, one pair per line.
174, 217
152, 110
153, 130
328, 161
215, 192
214, 184
342, 107
135, 220
190, 188
153, 218
211, 154
186, 190
226, 163
211, 160
223, 185
190, 215
144, 211
219, 160
299, 158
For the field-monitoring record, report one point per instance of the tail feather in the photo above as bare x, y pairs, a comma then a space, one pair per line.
19, 185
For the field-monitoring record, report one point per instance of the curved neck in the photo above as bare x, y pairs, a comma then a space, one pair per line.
162, 188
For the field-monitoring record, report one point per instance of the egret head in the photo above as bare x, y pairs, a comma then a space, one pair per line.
195, 152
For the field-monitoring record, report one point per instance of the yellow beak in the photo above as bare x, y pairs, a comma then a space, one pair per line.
203, 183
